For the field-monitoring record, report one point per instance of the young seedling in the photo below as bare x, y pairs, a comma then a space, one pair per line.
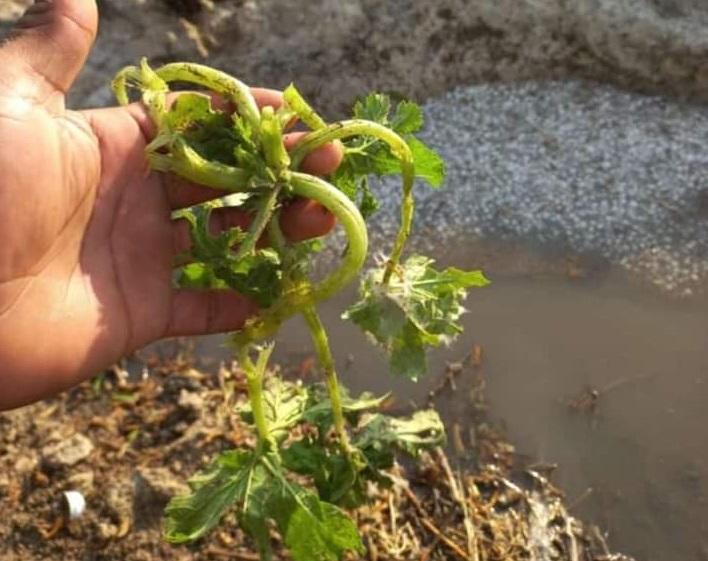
338, 442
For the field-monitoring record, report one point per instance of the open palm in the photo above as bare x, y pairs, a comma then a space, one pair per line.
87, 240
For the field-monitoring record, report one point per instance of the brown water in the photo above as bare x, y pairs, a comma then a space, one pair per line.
638, 464
644, 453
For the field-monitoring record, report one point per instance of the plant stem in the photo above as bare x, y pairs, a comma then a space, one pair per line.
255, 394
324, 355
260, 222
271, 133
254, 380
303, 109
120, 83
349, 217
321, 344
187, 163
275, 234
220, 82
404, 230
399, 148
302, 295
347, 129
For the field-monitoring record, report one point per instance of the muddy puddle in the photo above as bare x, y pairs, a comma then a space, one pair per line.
585, 369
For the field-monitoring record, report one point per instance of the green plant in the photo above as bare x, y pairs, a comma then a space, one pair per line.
337, 442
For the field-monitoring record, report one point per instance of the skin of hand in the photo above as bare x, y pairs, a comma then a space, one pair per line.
86, 236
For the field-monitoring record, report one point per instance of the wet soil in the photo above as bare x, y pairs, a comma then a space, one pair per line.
609, 382
587, 369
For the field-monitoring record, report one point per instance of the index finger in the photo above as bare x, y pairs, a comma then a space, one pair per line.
266, 97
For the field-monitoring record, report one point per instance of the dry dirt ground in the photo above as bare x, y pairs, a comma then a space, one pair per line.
128, 445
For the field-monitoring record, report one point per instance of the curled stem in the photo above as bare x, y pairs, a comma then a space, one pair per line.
349, 217
219, 82
187, 163
119, 85
302, 295
399, 148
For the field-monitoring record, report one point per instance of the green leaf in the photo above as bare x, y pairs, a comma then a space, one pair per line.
214, 137
365, 156
284, 405
257, 275
429, 166
320, 531
407, 352
246, 152
198, 275
342, 479
205, 246
298, 261
380, 435
355, 185
374, 107
288, 403
408, 118
419, 308
334, 475
215, 266
188, 109
306, 457
313, 530
255, 512
368, 203
218, 137
377, 438
319, 409
189, 517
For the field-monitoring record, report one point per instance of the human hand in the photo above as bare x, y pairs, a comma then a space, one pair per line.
87, 236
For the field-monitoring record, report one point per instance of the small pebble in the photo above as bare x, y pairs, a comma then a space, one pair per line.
581, 166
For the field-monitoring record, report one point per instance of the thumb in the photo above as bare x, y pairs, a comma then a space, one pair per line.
49, 45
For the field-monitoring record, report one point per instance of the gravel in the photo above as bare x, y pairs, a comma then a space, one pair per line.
578, 165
